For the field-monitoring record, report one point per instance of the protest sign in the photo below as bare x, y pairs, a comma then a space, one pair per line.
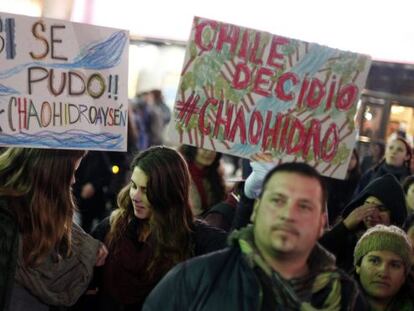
62, 84
245, 92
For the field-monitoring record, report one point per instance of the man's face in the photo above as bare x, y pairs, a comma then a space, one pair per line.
289, 217
382, 273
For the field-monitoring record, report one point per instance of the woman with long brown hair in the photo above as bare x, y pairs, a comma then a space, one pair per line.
50, 259
151, 231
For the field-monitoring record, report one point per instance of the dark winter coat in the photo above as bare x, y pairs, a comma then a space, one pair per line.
400, 173
124, 282
227, 280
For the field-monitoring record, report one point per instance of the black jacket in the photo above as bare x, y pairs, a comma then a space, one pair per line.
223, 280
400, 173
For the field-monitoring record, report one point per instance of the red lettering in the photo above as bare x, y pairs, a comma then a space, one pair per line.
330, 94
255, 56
201, 118
328, 154
111, 117
237, 82
220, 120
239, 124
198, 38
316, 93
346, 97
259, 81
22, 111
280, 87
298, 129
314, 134
228, 34
274, 55
256, 121
271, 132
282, 143
244, 45
303, 90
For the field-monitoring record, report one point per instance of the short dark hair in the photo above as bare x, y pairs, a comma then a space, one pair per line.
301, 169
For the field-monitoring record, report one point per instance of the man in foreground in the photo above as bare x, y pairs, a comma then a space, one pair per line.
275, 264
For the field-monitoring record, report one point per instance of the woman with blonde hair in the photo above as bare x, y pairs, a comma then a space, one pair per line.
151, 230
49, 260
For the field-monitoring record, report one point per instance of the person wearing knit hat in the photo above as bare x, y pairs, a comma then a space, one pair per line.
382, 260
381, 202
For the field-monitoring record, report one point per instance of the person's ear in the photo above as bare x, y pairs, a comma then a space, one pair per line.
357, 269
255, 207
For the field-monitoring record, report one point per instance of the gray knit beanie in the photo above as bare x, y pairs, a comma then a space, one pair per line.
388, 238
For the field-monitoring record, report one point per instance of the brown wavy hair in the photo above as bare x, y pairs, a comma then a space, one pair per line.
168, 194
36, 184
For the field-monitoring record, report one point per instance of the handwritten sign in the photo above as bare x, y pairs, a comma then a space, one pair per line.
244, 92
62, 84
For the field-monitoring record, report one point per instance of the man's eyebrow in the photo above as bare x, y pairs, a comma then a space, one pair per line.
275, 192
306, 200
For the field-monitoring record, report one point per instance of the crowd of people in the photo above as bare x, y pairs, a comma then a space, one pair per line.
179, 238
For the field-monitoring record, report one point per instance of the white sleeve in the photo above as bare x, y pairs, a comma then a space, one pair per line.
253, 184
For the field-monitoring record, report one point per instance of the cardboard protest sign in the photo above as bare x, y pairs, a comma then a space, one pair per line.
62, 84
244, 92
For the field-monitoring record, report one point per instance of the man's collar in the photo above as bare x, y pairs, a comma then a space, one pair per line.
319, 260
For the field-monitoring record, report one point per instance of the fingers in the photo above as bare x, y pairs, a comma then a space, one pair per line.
262, 157
368, 211
359, 214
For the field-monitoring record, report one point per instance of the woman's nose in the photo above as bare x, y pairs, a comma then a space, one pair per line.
383, 270
136, 194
